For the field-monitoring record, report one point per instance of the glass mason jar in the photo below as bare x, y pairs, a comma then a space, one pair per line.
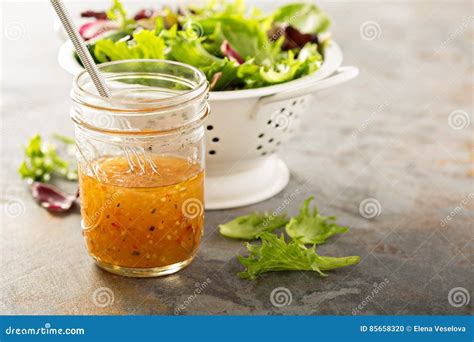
141, 159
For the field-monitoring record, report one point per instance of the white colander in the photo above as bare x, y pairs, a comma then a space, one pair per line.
246, 128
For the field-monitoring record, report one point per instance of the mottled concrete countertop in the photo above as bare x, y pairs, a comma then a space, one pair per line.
400, 134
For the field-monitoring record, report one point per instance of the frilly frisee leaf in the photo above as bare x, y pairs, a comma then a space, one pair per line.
249, 227
312, 228
274, 254
282, 73
145, 45
285, 69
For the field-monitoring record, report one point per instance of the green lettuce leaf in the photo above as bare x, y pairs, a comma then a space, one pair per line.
249, 227
274, 254
215, 8
310, 60
282, 72
246, 36
224, 71
187, 48
249, 74
195, 36
145, 45
305, 17
312, 228
117, 12
287, 68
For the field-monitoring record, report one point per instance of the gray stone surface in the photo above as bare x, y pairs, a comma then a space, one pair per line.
385, 135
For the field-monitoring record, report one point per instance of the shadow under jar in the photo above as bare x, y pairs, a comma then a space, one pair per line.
141, 159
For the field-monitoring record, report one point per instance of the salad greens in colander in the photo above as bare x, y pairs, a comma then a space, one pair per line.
235, 46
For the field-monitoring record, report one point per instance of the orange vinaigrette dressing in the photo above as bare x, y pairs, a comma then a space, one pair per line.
138, 218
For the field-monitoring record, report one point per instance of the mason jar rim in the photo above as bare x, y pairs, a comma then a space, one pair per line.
124, 105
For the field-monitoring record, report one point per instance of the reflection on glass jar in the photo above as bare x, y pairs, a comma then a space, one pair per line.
141, 165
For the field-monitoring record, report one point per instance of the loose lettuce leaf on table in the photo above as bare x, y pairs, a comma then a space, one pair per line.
274, 254
249, 227
42, 161
312, 228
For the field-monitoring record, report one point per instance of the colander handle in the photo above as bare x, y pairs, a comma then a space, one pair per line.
341, 75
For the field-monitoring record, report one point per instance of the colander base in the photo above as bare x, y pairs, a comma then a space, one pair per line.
247, 187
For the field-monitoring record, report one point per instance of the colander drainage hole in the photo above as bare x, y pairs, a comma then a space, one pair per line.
212, 152
270, 141
259, 147
294, 103
264, 153
216, 139
269, 122
210, 128
261, 135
